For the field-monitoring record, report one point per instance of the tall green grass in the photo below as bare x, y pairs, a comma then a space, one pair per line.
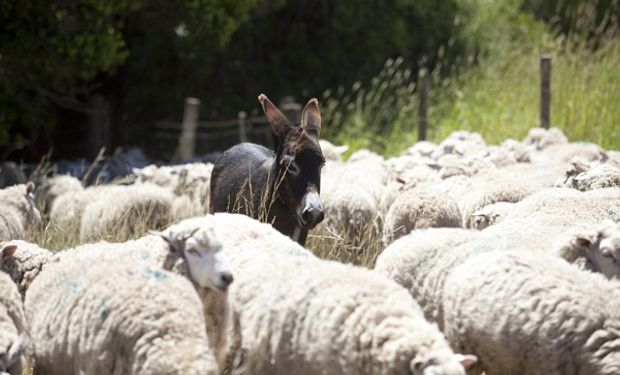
500, 98
495, 93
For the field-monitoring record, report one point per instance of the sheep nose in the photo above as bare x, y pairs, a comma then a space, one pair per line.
312, 216
226, 278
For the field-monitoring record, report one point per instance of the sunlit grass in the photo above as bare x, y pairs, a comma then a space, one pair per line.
497, 93
501, 98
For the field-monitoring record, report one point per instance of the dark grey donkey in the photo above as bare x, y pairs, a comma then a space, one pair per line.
281, 188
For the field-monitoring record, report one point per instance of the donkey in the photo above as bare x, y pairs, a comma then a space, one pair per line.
281, 188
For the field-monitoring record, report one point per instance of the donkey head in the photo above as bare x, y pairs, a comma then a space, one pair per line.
299, 160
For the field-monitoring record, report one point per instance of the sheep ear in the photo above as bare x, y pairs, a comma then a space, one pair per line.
16, 350
176, 245
466, 360
311, 117
29, 187
279, 123
8, 251
583, 242
341, 149
416, 366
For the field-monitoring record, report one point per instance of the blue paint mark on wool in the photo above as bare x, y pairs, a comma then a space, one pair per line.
156, 274
104, 311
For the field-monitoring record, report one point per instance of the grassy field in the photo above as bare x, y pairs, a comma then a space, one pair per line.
495, 93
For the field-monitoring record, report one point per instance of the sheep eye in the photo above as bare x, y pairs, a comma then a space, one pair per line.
193, 251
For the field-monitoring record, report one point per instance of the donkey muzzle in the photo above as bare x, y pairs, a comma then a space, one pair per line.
312, 212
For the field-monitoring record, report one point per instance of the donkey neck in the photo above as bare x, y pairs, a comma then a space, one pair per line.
276, 178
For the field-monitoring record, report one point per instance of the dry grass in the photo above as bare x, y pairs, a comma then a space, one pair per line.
355, 245
359, 246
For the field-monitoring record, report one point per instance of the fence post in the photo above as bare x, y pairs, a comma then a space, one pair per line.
423, 86
187, 140
545, 90
241, 117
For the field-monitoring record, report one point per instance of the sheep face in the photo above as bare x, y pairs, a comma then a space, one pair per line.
206, 264
609, 251
480, 221
202, 253
10, 356
442, 363
601, 249
6, 251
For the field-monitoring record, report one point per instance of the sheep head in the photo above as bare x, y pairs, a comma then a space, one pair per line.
599, 246
202, 253
10, 358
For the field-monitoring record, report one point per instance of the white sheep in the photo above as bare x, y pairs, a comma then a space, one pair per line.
576, 167
17, 211
403, 178
298, 314
13, 337
116, 317
569, 205
461, 143
500, 156
595, 247
56, 186
331, 152
527, 313
350, 204
124, 211
66, 209
541, 138
422, 149
421, 261
192, 180
23, 261
404, 165
419, 209
598, 177
488, 215
520, 152
191, 251
491, 192
349, 209
450, 165
566, 152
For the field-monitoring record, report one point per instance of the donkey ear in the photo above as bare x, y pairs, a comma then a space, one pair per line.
311, 117
279, 123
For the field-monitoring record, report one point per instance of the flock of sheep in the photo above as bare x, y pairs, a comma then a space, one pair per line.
497, 259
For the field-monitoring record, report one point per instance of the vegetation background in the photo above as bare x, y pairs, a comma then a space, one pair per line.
64, 62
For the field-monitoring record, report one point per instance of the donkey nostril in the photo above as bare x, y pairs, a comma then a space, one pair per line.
320, 217
312, 216
227, 278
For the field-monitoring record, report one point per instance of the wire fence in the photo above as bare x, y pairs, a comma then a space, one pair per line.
173, 140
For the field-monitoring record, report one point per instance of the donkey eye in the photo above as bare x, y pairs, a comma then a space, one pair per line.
293, 169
